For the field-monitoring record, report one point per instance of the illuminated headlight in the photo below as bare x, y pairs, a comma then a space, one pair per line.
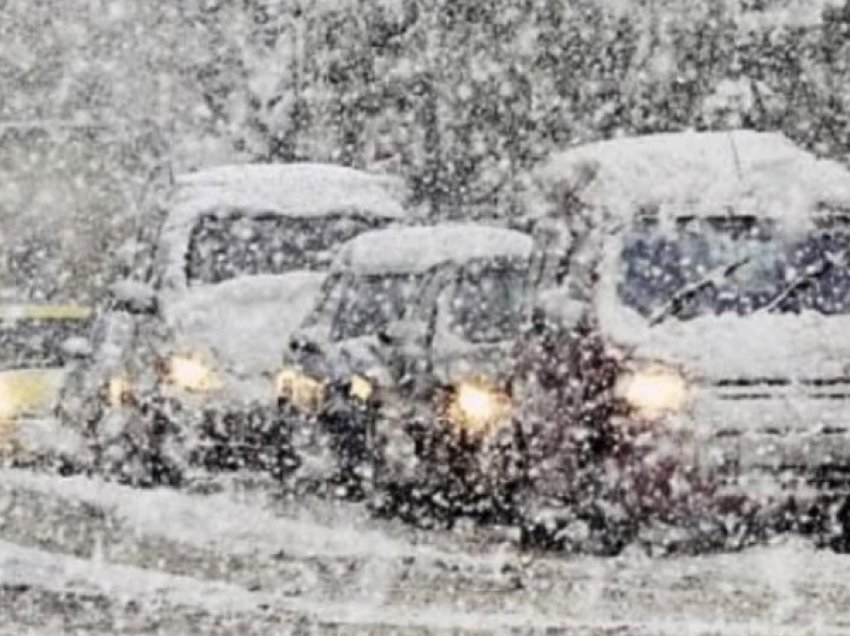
360, 388
119, 391
190, 374
479, 408
9, 404
302, 391
20, 393
654, 392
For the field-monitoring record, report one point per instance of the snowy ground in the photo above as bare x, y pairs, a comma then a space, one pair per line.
80, 556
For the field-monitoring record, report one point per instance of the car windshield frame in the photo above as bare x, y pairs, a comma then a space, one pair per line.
734, 265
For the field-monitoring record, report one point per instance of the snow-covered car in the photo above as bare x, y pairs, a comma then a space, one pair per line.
38, 345
716, 268
236, 263
415, 326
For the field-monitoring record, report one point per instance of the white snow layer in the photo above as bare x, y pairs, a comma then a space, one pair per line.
295, 189
416, 249
783, 590
699, 173
243, 323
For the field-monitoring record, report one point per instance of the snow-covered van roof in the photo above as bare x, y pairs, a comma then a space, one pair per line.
293, 189
696, 173
306, 190
417, 249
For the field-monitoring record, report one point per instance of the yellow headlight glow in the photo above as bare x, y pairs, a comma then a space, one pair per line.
304, 392
655, 392
8, 403
361, 388
191, 374
27, 390
478, 408
119, 391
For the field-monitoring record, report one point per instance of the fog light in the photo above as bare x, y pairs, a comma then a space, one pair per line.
304, 392
119, 391
360, 388
478, 408
191, 374
654, 392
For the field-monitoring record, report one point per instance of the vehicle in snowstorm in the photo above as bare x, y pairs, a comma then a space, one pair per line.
38, 345
714, 268
185, 357
685, 359
412, 340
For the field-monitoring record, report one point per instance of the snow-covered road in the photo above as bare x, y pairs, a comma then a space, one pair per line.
82, 556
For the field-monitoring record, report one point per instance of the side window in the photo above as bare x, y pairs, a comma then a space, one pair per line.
490, 301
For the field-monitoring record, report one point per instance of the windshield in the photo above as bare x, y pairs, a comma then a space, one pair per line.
222, 248
489, 301
370, 303
37, 343
735, 265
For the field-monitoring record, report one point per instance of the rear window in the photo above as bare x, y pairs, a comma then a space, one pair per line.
221, 248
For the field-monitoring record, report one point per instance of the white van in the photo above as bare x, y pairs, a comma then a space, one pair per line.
716, 267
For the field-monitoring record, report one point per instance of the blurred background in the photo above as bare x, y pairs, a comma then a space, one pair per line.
101, 99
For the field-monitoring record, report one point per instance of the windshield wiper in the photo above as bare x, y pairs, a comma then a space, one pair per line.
711, 279
812, 273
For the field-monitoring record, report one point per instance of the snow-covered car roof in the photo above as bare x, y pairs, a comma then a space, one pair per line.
696, 173
417, 249
294, 189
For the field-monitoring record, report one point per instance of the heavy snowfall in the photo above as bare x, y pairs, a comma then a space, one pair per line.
425, 317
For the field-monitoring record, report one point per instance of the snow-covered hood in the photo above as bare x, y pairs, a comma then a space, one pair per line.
758, 347
243, 325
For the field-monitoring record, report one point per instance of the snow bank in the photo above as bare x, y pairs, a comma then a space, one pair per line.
416, 249
706, 173
60, 573
218, 522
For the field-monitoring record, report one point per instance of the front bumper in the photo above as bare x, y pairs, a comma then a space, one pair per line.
245, 438
763, 437
175, 439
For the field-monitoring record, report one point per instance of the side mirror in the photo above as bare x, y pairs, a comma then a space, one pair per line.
304, 345
403, 331
133, 297
76, 347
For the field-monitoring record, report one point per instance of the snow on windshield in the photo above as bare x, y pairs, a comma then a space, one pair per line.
490, 301
371, 303
658, 263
